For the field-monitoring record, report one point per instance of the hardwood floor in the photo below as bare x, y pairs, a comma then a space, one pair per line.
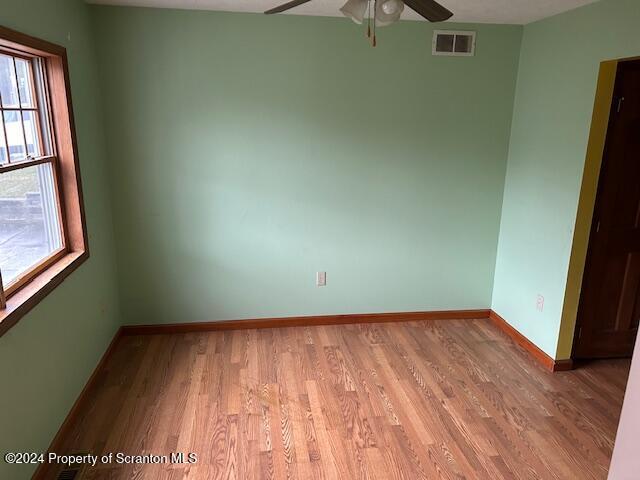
453, 399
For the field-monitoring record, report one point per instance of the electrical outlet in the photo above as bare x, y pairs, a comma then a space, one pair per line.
540, 303
321, 279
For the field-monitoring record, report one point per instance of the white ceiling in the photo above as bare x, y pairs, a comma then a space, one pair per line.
480, 11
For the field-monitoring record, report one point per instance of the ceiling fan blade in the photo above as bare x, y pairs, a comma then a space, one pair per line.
286, 6
429, 9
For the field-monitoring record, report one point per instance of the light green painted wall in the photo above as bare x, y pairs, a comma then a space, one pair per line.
249, 152
552, 114
47, 357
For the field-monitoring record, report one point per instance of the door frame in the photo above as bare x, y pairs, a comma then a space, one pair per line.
586, 205
594, 228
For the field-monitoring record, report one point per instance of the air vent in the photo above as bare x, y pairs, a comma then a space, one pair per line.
72, 471
454, 43
68, 474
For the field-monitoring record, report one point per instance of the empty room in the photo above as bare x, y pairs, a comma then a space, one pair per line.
319, 239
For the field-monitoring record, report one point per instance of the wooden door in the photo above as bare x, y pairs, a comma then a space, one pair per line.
610, 302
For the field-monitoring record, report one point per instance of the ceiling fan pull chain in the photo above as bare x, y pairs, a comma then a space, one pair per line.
375, 11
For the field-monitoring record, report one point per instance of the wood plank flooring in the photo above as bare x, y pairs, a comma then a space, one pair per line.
451, 399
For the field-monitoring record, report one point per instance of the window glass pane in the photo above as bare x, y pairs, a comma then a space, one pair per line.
25, 84
3, 145
15, 135
29, 226
8, 86
31, 130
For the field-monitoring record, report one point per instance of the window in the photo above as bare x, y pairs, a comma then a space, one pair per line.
30, 228
42, 228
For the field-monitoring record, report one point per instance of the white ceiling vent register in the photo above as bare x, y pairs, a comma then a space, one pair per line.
454, 43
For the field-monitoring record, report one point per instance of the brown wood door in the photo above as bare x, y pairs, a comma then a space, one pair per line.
610, 302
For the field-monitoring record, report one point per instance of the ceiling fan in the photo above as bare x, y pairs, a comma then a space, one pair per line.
385, 12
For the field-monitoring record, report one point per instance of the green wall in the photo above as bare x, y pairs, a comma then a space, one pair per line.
557, 76
47, 357
248, 152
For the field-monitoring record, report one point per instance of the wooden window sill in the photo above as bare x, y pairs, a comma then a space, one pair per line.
32, 293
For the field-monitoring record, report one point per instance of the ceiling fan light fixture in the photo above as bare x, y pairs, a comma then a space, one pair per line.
388, 12
355, 10
392, 7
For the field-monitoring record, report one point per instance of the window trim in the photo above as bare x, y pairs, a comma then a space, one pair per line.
54, 269
41, 106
